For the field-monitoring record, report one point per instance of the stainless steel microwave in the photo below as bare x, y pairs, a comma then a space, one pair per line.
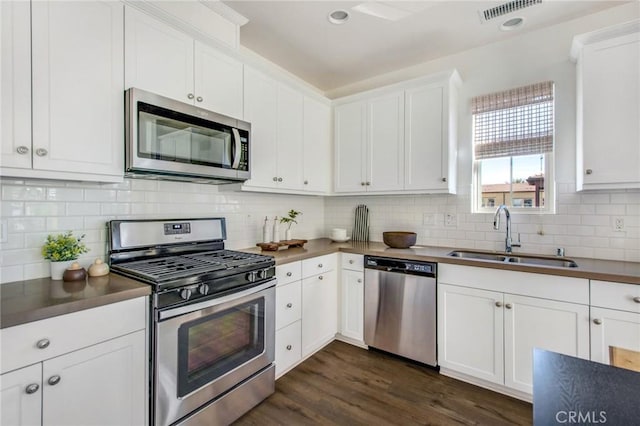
168, 139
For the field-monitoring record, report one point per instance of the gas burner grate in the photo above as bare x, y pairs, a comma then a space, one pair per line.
227, 258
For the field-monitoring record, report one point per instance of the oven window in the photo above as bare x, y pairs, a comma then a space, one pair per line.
214, 345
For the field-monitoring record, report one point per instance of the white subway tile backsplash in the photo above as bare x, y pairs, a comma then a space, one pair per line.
12, 208
611, 209
62, 224
65, 194
22, 193
83, 209
100, 194
11, 273
27, 224
44, 209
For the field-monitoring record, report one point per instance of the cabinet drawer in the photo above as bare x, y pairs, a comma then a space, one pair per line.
318, 265
288, 304
288, 347
66, 333
353, 262
288, 273
607, 294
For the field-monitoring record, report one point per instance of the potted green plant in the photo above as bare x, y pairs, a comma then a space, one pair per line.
290, 219
62, 250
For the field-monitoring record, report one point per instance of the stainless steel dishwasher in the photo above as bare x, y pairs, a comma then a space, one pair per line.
400, 307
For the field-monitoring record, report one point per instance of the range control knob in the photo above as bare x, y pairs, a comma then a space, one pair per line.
251, 276
203, 289
185, 293
262, 274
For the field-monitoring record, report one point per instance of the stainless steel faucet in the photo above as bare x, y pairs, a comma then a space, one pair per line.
508, 244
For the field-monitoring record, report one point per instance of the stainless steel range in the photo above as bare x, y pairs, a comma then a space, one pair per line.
212, 318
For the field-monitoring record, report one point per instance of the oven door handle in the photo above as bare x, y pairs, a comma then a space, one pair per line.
171, 313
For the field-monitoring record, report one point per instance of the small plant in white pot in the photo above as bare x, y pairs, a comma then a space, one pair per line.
62, 250
290, 219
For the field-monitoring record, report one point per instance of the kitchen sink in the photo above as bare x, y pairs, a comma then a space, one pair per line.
558, 262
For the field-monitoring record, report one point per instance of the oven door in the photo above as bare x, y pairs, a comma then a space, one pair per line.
205, 349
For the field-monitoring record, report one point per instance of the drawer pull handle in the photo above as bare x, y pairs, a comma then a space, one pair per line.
499, 304
351, 261
359, 280
32, 388
597, 321
199, 99
54, 380
636, 299
43, 343
289, 347
508, 305
588, 171
321, 278
289, 305
289, 274
190, 96
319, 265
22, 150
41, 152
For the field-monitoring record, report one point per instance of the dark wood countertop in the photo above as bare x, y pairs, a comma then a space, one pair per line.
605, 270
566, 386
33, 300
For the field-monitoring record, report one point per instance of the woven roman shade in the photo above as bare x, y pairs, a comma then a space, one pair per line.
514, 122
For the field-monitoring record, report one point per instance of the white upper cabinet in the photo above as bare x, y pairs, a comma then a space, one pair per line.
166, 61
74, 125
15, 88
400, 138
316, 146
289, 137
608, 107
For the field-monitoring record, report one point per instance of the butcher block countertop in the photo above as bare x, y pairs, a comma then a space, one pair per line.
605, 270
33, 300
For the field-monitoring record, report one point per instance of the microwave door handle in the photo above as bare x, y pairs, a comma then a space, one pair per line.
237, 146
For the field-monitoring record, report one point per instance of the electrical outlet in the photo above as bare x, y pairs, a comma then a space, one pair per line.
3, 231
618, 224
450, 220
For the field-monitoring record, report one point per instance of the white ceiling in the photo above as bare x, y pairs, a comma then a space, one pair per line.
297, 35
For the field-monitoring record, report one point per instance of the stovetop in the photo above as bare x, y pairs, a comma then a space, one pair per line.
192, 266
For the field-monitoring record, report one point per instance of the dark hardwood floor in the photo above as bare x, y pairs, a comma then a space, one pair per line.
343, 384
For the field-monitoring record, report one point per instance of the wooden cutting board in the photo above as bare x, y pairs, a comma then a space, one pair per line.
281, 245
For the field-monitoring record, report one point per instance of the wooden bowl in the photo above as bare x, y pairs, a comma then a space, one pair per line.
399, 239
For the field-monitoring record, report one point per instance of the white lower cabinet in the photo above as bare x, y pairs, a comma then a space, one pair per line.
319, 311
104, 383
486, 331
615, 318
288, 348
352, 297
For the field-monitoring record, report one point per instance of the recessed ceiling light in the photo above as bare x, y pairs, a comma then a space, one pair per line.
338, 17
512, 24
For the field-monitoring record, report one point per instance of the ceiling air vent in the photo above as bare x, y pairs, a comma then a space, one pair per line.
503, 9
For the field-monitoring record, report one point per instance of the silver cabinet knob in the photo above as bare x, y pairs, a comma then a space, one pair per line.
359, 280
361, 183
367, 183
588, 172
54, 380
319, 265
22, 150
289, 274
32, 388
199, 99
275, 179
289, 305
597, 321
321, 278
190, 95
279, 179
636, 299
508, 305
306, 182
41, 152
499, 304
43, 343
289, 347
444, 179
351, 261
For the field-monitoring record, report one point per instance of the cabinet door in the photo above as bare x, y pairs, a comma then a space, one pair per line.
470, 332
218, 81
385, 137
316, 146
15, 84
288, 351
425, 166
289, 134
21, 396
611, 107
613, 328
350, 148
288, 304
319, 311
260, 99
78, 108
539, 323
158, 58
103, 384
352, 305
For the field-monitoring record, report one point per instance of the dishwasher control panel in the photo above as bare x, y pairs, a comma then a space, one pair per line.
400, 265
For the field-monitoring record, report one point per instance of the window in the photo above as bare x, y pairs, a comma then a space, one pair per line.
513, 139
